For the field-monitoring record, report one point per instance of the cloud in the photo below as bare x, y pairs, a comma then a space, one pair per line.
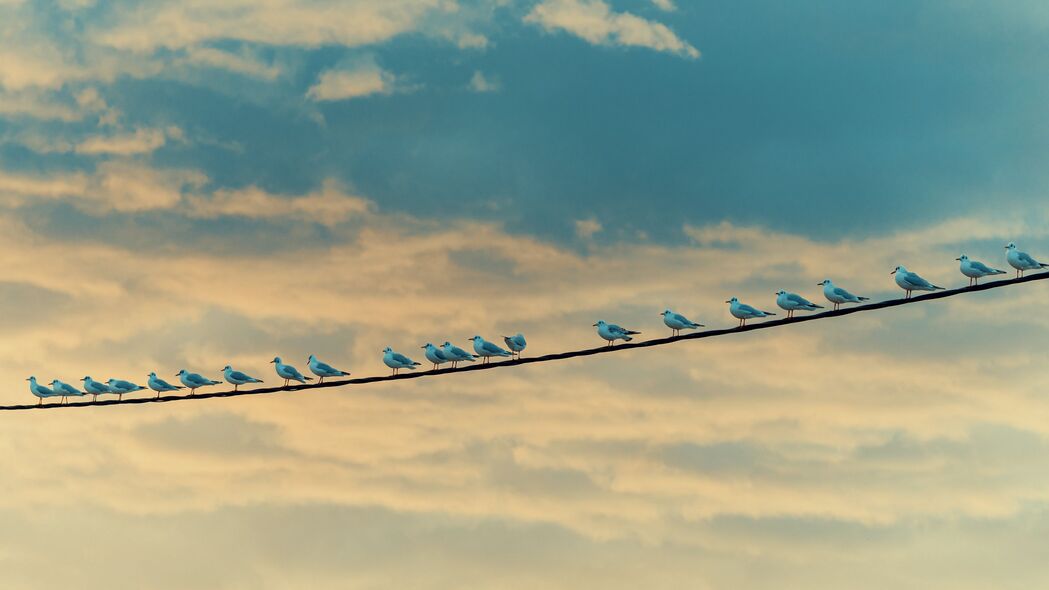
328, 206
344, 84
594, 21
140, 141
665, 5
240, 63
586, 228
480, 83
117, 185
175, 25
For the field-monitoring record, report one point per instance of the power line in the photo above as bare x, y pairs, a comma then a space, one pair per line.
550, 357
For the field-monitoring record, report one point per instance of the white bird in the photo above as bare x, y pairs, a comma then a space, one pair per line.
910, 281
744, 312
793, 302
678, 322
194, 380
516, 343
40, 391
435, 355
323, 370
456, 354
159, 385
120, 387
95, 388
288, 372
612, 332
975, 270
837, 295
397, 361
486, 350
65, 389
238, 378
1021, 261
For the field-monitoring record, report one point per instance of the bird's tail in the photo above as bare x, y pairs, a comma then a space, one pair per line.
632, 332
934, 287
999, 272
343, 373
307, 378
769, 313
817, 306
1044, 265
864, 298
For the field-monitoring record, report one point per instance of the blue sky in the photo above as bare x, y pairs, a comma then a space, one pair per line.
202, 183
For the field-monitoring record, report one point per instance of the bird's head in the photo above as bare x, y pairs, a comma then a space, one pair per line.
31, 378
53, 381
733, 300
86, 378
600, 323
311, 358
427, 345
153, 375
898, 269
963, 258
666, 312
446, 343
180, 373
474, 339
1010, 246
780, 292
823, 283
387, 349
276, 359
227, 368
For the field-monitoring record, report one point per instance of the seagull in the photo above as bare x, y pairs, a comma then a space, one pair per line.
612, 332
435, 355
793, 302
456, 354
39, 391
837, 295
397, 361
237, 378
744, 312
288, 372
515, 343
486, 350
120, 387
159, 385
64, 389
94, 388
678, 322
975, 270
323, 370
909, 281
194, 380
1021, 261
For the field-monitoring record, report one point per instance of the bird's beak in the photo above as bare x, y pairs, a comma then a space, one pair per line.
728, 301
594, 324
957, 258
271, 362
893, 271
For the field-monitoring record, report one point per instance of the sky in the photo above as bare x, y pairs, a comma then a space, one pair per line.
202, 183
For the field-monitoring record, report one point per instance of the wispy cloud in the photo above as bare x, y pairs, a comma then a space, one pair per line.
481, 83
354, 82
596, 22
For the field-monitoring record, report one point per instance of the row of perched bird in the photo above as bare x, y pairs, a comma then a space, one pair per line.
485, 350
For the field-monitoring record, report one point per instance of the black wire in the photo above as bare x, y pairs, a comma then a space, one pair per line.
550, 357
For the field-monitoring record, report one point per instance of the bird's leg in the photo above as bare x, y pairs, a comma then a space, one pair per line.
235, 386
94, 397
120, 397
40, 401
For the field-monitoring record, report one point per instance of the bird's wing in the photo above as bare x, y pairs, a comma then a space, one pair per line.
798, 299
400, 358
1026, 258
843, 293
980, 266
680, 318
748, 309
325, 367
240, 376
916, 280
489, 347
